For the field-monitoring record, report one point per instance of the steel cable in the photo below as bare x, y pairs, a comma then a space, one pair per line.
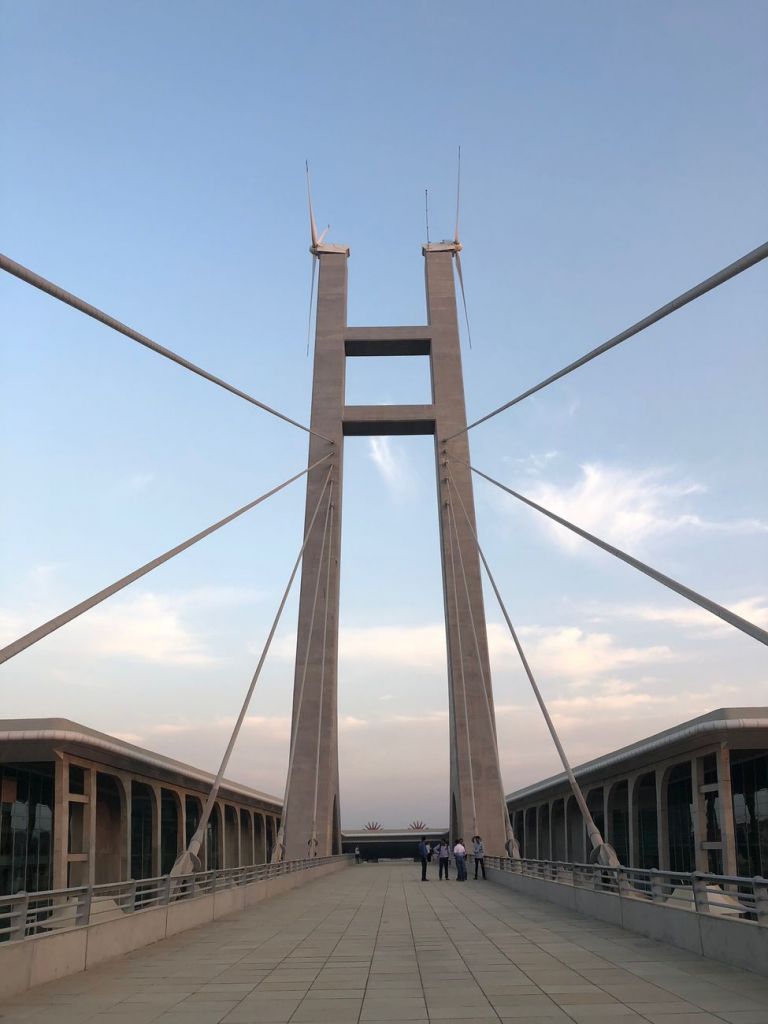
57, 292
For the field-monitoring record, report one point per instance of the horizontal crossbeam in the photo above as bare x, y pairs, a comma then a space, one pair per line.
376, 420
388, 341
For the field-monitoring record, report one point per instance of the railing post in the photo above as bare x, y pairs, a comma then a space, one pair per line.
131, 896
657, 890
760, 890
18, 929
83, 907
165, 895
700, 894
623, 887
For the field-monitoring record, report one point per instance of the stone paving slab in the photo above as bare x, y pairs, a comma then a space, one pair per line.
373, 945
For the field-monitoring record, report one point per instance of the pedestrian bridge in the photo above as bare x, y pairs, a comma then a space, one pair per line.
373, 943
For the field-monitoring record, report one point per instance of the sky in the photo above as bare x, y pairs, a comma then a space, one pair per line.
613, 155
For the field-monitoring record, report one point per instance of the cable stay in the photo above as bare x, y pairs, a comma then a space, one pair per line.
602, 852
57, 292
750, 628
23, 642
278, 852
312, 841
512, 845
463, 681
732, 270
189, 861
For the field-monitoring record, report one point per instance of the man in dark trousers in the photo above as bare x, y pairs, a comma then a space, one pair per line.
478, 852
423, 854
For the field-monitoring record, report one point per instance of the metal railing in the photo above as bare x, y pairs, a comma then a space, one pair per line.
744, 899
39, 913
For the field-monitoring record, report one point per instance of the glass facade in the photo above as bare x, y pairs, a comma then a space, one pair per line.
141, 831
682, 850
213, 839
618, 810
26, 828
647, 822
749, 782
169, 830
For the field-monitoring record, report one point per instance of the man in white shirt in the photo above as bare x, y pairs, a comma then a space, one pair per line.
460, 856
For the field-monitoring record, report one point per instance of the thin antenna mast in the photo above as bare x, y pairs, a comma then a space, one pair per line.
426, 210
457, 250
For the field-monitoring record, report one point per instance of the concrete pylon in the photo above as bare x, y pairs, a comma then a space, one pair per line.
477, 798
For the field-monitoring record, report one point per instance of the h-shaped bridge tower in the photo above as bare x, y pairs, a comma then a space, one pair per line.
312, 797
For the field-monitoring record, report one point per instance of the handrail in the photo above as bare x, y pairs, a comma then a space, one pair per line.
732, 896
26, 915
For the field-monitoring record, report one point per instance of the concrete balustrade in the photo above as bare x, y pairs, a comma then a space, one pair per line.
44, 957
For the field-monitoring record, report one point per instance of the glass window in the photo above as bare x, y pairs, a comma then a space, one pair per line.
194, 812
76, 780
618, 811
712, 813
141, 831
709, 769
680, 819
749, 782
647, 822
169, 830
26, 828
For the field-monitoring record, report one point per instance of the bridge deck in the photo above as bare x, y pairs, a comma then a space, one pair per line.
374, 944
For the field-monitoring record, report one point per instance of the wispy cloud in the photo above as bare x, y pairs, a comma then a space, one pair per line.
754, 609
152, 627
628, 506
392, 464
567, 652
533, 464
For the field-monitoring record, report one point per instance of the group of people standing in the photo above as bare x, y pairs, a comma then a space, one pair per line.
442, 851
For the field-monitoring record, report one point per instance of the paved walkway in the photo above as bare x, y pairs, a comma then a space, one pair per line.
373, 944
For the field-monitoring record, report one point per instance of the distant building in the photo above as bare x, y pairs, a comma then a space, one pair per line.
388, 843
78, 806
691, 798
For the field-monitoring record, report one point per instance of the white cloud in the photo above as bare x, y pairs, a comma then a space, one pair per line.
755, 609
569, 652
151, 626
562, 651
627, 507
534, 463
148, 627
392, 464
136, 482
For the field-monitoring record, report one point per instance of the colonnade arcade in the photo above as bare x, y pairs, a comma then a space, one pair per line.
112, 825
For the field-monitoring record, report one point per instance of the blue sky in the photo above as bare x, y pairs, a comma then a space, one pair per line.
153, 155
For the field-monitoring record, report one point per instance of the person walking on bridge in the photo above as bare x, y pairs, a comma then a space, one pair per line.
478, 852
460, 856
423, 854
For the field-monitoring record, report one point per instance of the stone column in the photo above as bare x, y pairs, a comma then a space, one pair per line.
662, 823
89, 823
476, 784
60, 820
126, 781
699, 815
727, 820
631, 826
317, 722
